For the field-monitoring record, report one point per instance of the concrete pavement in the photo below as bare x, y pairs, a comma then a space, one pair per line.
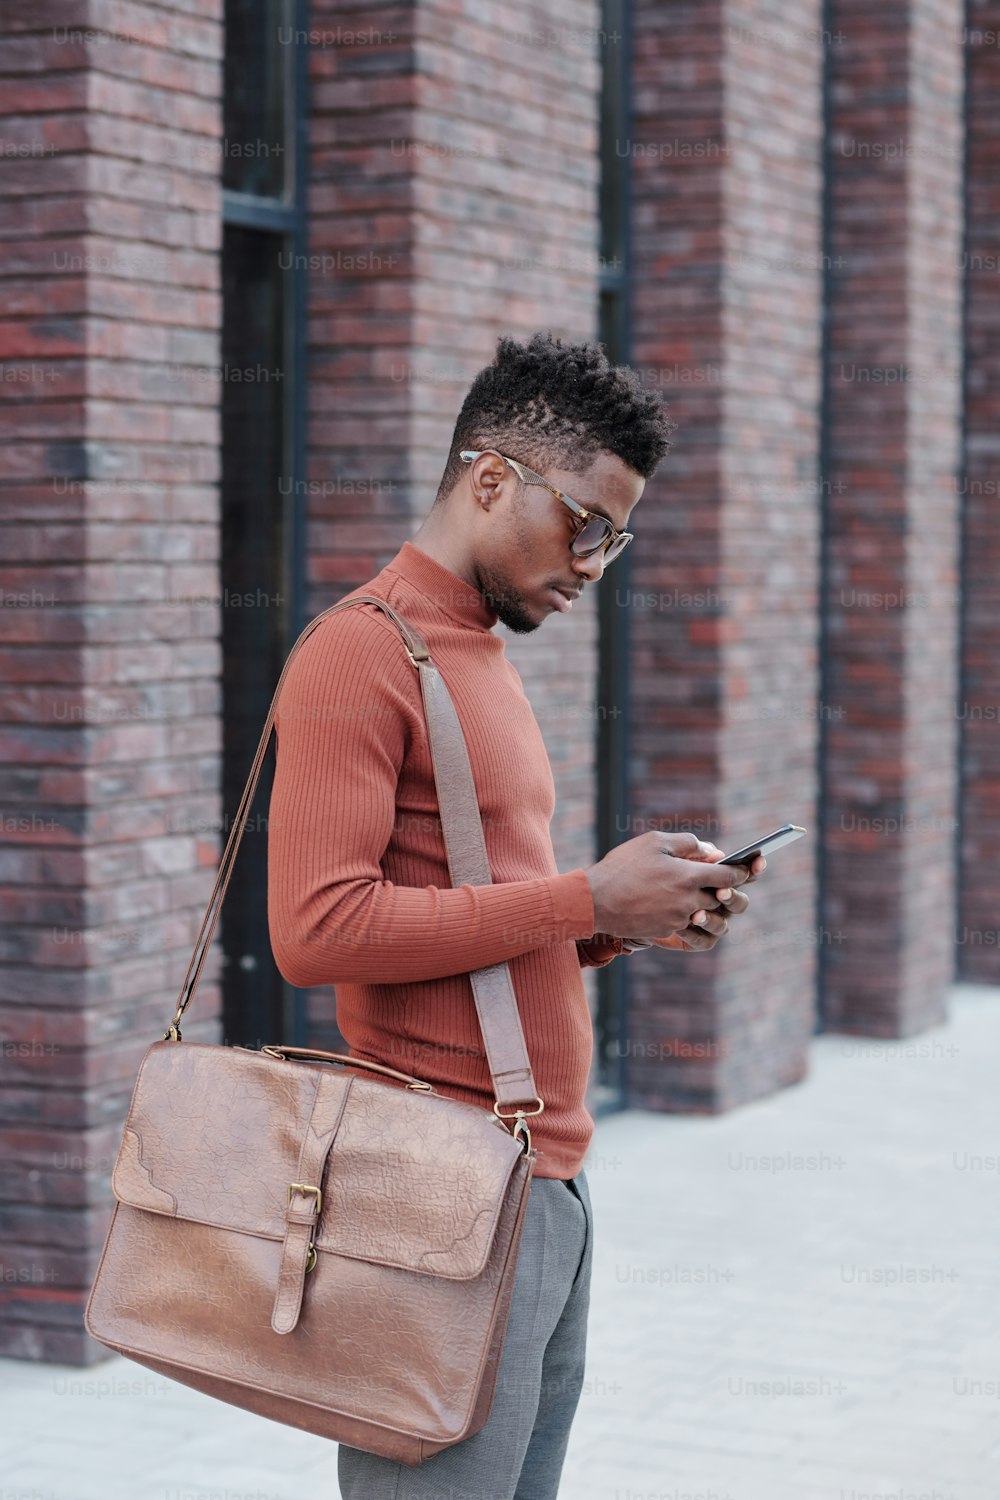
799, 1300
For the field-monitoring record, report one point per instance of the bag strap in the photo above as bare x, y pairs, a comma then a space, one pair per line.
468, 863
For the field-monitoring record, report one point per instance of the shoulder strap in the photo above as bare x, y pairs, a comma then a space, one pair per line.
468, 863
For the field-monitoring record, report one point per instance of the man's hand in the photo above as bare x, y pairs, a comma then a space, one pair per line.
709, 924
657, 882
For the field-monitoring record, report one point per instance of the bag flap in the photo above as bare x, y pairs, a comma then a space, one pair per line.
213, 1135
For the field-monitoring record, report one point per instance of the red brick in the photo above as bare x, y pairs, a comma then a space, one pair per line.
703, 523
979, 706
109, 721
898, 970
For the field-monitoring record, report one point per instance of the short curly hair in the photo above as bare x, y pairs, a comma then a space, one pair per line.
551, 404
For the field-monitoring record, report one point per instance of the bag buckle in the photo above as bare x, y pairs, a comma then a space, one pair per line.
307, 1188
173, 1031
520, 1129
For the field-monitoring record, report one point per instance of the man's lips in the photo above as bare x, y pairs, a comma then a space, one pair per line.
562, 599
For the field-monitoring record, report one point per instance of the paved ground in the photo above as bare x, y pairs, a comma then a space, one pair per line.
796, 1301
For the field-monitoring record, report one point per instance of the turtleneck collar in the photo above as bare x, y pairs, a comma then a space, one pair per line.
443, 587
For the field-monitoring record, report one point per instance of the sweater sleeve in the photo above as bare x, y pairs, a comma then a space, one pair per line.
350, 701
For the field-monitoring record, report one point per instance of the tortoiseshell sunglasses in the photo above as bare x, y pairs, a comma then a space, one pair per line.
593, 532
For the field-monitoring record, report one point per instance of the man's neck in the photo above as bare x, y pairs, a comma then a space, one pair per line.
439, 542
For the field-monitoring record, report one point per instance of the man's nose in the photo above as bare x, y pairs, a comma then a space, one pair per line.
591, 567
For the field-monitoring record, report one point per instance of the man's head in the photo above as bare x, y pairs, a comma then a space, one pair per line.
587, 427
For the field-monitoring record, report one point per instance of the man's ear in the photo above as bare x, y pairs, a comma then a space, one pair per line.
486, 477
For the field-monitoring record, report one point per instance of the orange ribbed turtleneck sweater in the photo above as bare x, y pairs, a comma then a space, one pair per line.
359, 894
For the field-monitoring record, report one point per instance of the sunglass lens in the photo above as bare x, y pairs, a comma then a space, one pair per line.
591, 537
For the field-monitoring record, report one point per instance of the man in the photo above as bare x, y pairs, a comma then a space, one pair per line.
549, 456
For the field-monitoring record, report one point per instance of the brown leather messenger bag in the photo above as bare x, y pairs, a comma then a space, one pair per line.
333, 1247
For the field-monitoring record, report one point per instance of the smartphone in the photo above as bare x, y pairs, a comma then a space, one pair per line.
775, 840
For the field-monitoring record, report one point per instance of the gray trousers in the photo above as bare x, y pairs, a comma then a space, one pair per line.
519, 1454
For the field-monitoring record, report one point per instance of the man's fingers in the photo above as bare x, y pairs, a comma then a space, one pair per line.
697, 939
724, 875
712, 896
757, 868
713, 922
709, 922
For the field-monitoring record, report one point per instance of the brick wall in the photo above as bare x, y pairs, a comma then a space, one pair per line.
109, 727
896, 165
726, 171
447, 205
977, 922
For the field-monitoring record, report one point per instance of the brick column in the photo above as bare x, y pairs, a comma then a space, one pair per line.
978, 919
109, 731
895, 157
449, 203
726, 314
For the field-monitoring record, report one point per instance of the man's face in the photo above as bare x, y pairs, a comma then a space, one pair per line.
522, 560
